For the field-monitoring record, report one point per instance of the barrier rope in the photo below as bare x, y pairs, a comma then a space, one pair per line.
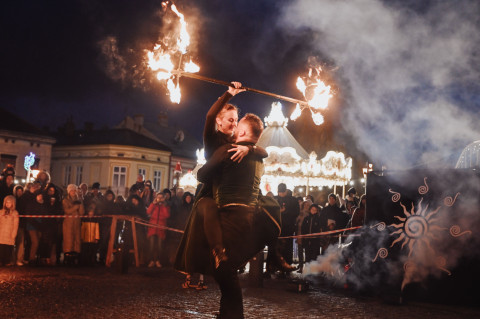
146, 223
321, 233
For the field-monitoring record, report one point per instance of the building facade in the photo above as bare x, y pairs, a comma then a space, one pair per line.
18, 139
113, 158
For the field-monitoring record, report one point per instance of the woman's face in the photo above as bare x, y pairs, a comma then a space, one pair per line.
19, 192
227, 122
72, 193
160, 198
188, 199
110, 197
51, 191
313, 210
8, 204
331, 200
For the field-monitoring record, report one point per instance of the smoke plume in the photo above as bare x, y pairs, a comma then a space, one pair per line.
412, 74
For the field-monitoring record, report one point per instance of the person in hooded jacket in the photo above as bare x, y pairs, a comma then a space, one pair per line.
159, 213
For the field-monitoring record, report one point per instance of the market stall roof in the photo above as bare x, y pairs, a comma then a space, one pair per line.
277, 134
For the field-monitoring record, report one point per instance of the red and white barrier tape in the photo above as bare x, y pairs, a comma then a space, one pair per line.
321, 233
145, 223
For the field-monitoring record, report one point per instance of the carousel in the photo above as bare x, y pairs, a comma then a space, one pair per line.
288, 162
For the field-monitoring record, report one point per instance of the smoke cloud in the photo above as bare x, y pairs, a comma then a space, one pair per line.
412, 74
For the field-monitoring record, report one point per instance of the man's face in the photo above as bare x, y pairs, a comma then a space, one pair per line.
241, 128
331, 200
180, 193
9, 180
84, 188
227, 122
140, 178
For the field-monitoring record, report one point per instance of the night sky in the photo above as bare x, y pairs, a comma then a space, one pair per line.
405, 75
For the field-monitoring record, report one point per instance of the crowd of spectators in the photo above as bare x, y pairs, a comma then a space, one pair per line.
303, 216
79, 231
44, 224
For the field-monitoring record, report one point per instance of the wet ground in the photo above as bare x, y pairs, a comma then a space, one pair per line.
99, 292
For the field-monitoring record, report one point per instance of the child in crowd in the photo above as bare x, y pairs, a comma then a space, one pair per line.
158, 213
8, 229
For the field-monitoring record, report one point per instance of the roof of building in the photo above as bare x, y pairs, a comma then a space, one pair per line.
177, 139
120, 136
11, 122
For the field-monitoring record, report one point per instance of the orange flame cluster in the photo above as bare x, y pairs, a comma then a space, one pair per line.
316, 93
160, 59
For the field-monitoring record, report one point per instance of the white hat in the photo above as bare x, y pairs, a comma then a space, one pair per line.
71, 187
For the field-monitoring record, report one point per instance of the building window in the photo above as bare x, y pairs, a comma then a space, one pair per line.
142, 171
119, 177
79, 175
67, 177
157, 180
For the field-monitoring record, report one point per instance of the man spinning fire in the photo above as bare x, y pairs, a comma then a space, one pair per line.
229, 222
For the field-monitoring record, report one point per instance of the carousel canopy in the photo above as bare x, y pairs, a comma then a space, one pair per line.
276, 133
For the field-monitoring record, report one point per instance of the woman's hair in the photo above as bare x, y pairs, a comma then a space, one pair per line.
12, 199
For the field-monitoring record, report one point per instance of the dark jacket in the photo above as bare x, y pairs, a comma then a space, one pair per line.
311, 225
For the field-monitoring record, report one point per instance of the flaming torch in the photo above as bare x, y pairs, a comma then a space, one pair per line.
316, 94
160, 60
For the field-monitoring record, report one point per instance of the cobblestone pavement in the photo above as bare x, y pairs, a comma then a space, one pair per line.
61, 292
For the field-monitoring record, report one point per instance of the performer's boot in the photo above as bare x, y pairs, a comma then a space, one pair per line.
220, 255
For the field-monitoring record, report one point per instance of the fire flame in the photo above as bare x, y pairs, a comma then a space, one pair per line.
160, 60
316, 93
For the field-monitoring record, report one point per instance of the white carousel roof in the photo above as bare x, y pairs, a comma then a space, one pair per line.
276, 133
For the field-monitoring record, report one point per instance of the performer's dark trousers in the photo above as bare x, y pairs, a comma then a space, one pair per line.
231, 301
246, 230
